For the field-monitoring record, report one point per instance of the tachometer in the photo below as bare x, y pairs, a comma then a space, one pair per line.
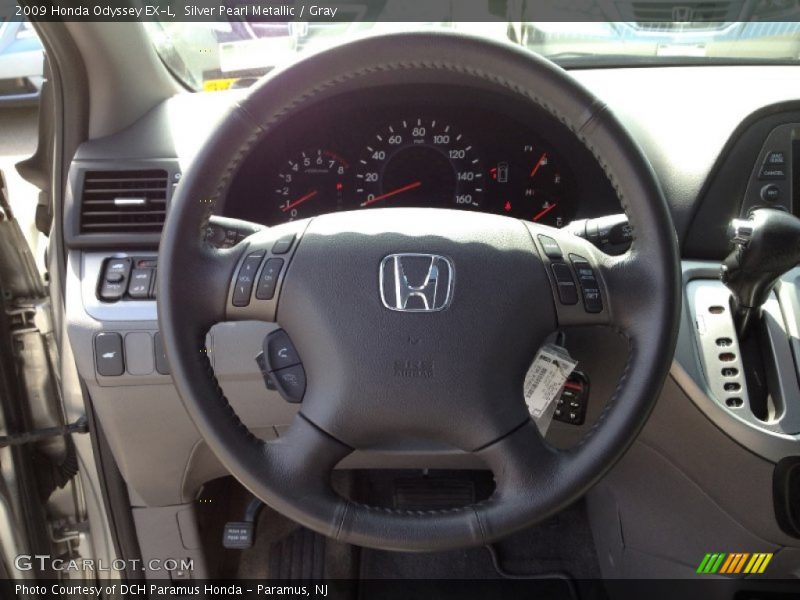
310, 184
419, 162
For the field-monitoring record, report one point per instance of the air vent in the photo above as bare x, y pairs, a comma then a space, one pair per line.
124, 201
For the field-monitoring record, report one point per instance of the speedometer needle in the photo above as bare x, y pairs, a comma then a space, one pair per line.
299, 201
543, 212
399, 190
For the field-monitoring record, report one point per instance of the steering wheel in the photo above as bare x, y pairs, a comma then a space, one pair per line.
418, 324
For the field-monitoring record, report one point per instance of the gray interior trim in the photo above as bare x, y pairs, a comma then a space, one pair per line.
169, 533
84, 269
119, 97
716, 339
688, 373
779, 140
683, 134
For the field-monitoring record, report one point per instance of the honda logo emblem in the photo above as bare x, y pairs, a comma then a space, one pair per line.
682, 14
416, 282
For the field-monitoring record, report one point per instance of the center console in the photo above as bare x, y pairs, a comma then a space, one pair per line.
738, 356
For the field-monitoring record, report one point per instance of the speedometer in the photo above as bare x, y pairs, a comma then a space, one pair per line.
419, 162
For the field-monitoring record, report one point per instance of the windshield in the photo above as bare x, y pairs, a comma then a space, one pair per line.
213, 56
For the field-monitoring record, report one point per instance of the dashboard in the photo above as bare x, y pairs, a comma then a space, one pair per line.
708, 149
420, 146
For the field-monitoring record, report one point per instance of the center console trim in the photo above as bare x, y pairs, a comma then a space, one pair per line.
688, 373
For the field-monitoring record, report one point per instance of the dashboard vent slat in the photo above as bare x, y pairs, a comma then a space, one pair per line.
124, 201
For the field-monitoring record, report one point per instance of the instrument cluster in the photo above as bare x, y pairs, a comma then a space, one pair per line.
441, 149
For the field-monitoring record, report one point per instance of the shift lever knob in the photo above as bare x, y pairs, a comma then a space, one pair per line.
765, 246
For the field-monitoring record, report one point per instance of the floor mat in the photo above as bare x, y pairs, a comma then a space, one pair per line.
457, 575
544, 561
561, 543
287, 551
300, 555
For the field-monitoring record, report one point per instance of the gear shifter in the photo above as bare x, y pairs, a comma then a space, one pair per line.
765, 246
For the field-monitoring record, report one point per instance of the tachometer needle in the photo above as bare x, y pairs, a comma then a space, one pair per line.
538, 164
543, 212
299, 201
400, 190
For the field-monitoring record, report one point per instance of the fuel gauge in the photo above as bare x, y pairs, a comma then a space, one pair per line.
536, 190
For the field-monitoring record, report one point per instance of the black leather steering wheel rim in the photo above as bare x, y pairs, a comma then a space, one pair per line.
534, 481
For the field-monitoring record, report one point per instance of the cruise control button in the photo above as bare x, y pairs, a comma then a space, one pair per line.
590, 288
269, 278
562, 273
139, 285
283, 245
108, 354
245, 278
582, 268
279, 351
550, 247
568, 293
567, 290
592, 300
291, 383
775, 158
772, 172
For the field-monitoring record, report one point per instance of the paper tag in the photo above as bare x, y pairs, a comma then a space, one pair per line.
544, 381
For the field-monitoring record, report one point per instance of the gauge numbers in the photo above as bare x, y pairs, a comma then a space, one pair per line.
419, 162
314, 181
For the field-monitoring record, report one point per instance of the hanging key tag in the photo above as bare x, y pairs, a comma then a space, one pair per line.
544, 381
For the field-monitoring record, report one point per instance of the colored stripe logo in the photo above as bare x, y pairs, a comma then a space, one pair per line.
734, 563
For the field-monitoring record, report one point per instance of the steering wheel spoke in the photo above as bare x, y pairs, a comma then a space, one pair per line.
576, 269
521, 461
256, 280
300, 463
520, 458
